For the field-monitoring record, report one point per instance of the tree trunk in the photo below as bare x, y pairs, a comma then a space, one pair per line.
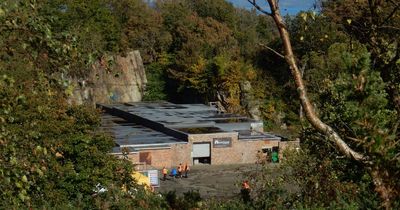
378, 174
305, 102
301, 114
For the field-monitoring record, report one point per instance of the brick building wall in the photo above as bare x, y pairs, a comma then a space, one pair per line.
181, 153
159, 157
251, 148
134, 157
240, 151
227, 155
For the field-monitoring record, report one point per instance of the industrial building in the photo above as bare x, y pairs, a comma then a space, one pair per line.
166, 134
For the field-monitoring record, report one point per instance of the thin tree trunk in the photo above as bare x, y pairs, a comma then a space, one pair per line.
301, 114
305, 102
378, 174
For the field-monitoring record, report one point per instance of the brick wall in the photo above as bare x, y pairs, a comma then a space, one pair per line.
226, 155
241, 151
178, 153
250, 149
159, 157
181, 153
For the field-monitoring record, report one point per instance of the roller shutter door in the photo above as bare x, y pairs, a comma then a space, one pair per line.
201, 150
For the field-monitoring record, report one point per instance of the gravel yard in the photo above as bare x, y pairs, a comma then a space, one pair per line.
210, 180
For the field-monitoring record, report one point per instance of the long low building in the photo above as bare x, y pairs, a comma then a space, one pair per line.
166, 134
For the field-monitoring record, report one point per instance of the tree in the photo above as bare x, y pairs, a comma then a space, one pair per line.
51, 153
313, 32
196, 41
220, 10
28, 42
376, 24
381, 174
142, 29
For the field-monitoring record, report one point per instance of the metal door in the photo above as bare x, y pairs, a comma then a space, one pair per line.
201, 150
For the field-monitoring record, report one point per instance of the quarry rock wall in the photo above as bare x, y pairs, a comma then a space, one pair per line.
112, 79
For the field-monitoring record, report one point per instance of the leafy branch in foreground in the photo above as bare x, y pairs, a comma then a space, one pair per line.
379, 171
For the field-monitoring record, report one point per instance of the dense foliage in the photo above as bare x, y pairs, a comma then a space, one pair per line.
50, 154
349, 77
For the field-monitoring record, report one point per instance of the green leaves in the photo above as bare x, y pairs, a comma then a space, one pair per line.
2, 12
353, 99
24, 179
32, 171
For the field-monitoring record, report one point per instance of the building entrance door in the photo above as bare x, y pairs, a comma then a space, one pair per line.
201, 153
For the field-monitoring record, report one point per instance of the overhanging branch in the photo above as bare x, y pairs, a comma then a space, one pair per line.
254, 3
274, 51
312, 117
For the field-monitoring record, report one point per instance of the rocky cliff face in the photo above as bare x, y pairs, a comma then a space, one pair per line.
248, 101
113, 79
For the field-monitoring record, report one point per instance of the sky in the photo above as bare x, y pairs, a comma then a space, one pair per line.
286, 6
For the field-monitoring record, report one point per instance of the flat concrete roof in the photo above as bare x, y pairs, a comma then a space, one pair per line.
159, 124
254, 135
186, 115
128, 134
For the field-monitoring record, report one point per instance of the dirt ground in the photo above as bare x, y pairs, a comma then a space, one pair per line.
211, 181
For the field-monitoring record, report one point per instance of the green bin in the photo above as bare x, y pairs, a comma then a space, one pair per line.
274, 157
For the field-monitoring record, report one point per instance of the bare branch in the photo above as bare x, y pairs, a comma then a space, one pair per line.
274, 51
389, 27
391, 14
396, 126
354, 139
395, 4
254, 3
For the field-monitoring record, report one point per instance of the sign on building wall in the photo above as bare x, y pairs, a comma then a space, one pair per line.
222, 142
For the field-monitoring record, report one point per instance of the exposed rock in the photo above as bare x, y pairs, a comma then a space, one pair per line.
248, 101
283, 126
113, 79
278, 119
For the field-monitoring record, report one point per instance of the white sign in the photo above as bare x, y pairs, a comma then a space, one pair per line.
222, 142
153, 176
